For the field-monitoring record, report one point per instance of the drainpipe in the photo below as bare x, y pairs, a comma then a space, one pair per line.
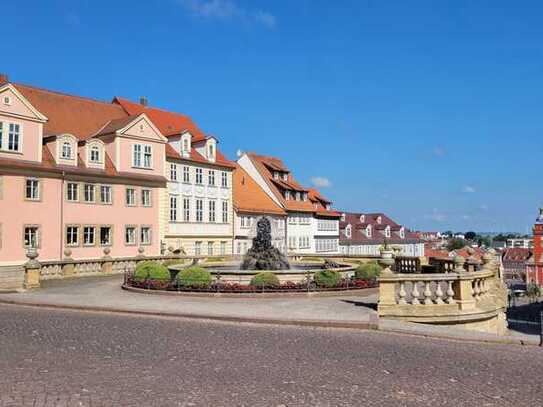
61, 214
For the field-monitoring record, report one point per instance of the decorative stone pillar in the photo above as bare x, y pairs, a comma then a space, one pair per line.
463, 290
68, 268
141, 252
387, 290
32, 270
107, 265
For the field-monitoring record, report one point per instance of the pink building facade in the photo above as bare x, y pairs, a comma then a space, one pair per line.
76, 175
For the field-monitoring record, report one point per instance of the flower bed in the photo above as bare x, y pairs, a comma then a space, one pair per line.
222, 287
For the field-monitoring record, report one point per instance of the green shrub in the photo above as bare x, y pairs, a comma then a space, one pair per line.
327, 278
367, 271
151, 270
265, 279
194, 277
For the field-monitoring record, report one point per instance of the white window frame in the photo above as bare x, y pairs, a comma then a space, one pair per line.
199, 180
109, 234
186, 174
92, 150
34, 189
66, 150
211, 178
173, 172
89, 235
71, 235
70, 191
146, 197
130, 196
225, 211
146, 237
224, 179
199, 210
134, 234
104, 194
186, 209
86, 188
33, 240
173, 208
142, 156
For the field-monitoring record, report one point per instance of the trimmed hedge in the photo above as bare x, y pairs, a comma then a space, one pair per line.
151, 270
265, 279
327, 278
194, 277
367, 271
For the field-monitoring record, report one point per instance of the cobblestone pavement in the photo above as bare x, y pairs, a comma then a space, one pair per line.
71, 358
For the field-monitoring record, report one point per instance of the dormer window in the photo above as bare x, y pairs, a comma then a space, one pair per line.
402, 233
287, 195
387, 231
343, 217
305, 196
368, 231
211, 149
211, 153
298, 196
66, 151
7, 100
362, 218
285, 176
348, 231
142, 156
379, 220
327, 207
275, 175
95, 156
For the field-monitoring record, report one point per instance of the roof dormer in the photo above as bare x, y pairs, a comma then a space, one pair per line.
211, 149
362, 218
343, 217
379, 219
349, 231
66, 149
402, 232
93, 153
387, 231
368, 231
186, 147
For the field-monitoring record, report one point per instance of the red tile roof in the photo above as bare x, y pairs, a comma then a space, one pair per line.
262, 165
250, 197
169, 123
76, 115
359, 237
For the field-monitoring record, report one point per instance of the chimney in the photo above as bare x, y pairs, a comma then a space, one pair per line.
3, 78
144, 101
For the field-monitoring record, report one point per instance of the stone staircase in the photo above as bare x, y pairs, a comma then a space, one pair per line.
11, 278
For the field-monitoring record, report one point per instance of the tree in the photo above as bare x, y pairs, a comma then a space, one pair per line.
484, 241
455, 244
470, 235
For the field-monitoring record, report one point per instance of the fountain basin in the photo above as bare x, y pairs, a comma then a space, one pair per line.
233, 274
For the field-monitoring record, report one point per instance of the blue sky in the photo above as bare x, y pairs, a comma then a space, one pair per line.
428, 110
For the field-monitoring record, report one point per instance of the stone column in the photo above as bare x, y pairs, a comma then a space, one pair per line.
68, 268
32, 270
387, 289
107, 265
462, 288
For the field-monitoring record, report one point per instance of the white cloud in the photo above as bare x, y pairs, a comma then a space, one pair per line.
468, 189
227, 10
321, 182
436, 216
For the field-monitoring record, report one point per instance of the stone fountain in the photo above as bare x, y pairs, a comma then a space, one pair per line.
263, 255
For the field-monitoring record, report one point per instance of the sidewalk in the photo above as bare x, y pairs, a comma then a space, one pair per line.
105, 294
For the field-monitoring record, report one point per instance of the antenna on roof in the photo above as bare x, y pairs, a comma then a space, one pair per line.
144, 101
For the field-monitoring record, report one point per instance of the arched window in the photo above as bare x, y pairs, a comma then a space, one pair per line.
66, 150
348, 231
95, 154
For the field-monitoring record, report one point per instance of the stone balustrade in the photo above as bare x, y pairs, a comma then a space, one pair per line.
36, 271
469, 299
